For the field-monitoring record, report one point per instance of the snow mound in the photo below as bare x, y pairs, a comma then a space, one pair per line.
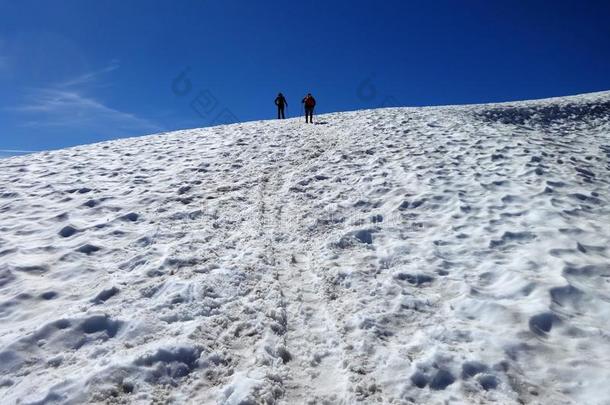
452, 254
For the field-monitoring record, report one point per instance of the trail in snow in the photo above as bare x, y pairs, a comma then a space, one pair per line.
405, 255
315, 372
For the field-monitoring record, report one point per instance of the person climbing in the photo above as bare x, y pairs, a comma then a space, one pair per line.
280, 102
310, 103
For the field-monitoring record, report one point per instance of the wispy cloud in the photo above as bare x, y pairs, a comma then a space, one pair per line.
70, 108
16, 151
69, 105
90, 77
6, 153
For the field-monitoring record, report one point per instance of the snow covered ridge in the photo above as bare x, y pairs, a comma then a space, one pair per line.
407, 255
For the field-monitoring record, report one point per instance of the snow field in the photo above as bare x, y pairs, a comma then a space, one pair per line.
405, 255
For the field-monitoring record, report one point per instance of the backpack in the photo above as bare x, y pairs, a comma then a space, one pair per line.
310, 102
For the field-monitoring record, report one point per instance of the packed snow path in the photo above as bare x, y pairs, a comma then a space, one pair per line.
410, 255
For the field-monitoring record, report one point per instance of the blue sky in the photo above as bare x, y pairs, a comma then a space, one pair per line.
75, 72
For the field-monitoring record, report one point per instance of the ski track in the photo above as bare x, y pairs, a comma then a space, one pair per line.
406, 255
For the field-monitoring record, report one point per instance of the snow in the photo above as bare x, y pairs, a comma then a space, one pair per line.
451, 254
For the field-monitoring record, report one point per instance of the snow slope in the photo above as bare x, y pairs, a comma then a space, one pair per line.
405, 255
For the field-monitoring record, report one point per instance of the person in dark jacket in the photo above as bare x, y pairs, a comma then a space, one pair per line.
280, 102
310, 103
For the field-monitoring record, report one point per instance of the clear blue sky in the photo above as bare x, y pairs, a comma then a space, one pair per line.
75, 72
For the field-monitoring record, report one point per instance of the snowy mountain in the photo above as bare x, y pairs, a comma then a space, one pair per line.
403, 255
